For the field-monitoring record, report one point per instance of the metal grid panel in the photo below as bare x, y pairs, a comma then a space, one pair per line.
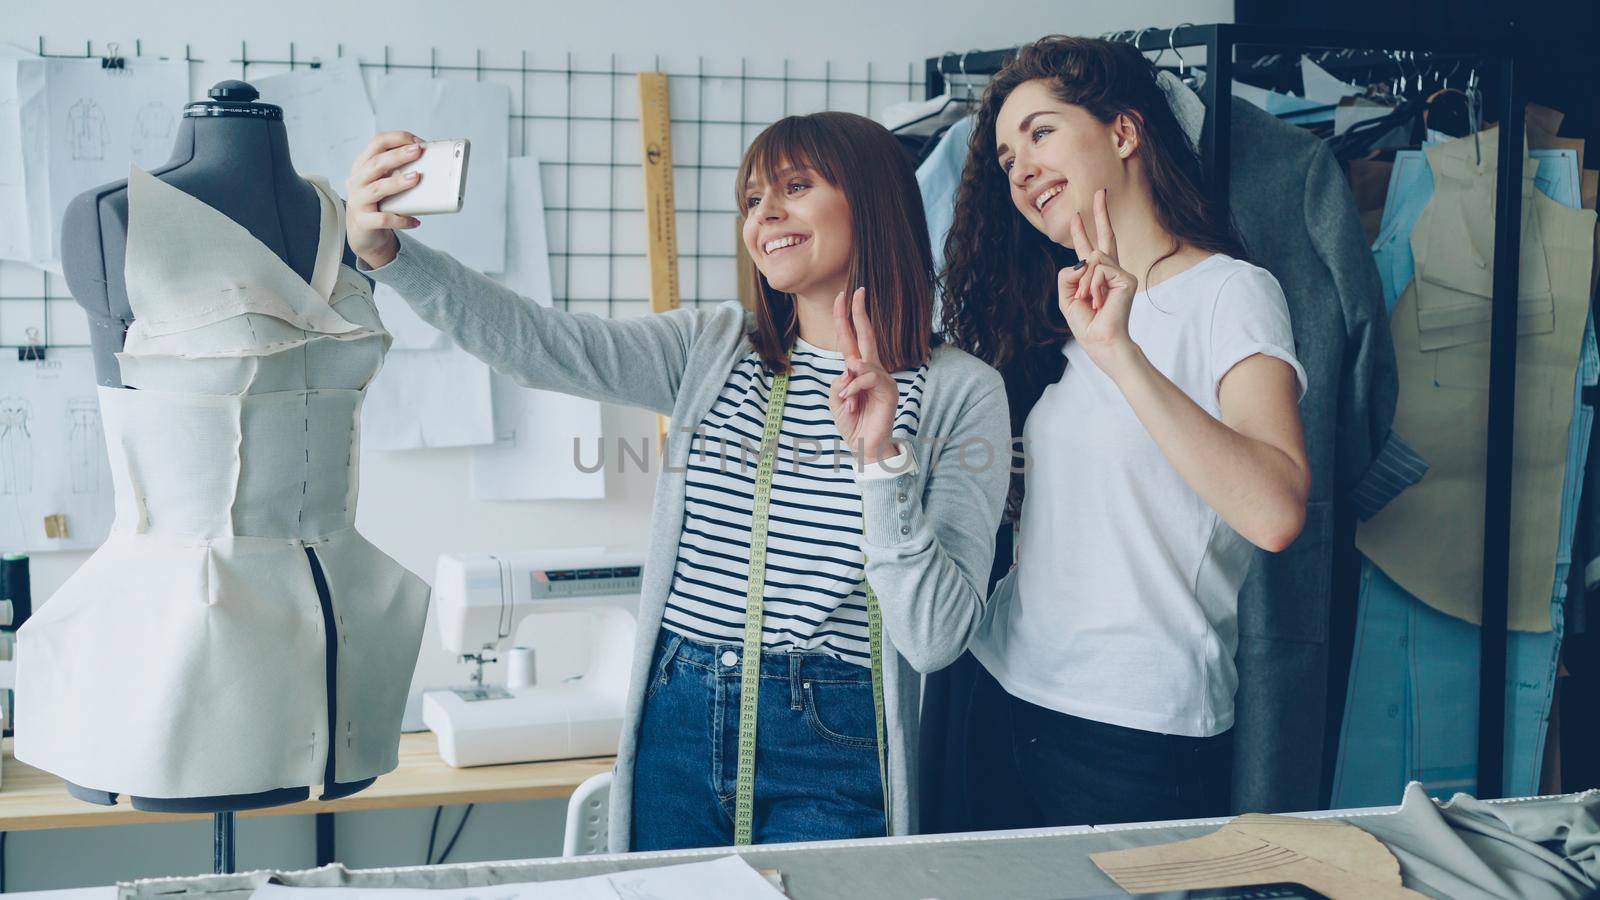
579, 114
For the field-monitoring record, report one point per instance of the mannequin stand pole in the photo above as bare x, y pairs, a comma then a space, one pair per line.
222, 843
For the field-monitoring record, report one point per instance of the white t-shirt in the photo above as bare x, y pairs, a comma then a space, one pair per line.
1123, 607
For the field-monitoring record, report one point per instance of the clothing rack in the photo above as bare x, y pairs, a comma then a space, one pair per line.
1497, 59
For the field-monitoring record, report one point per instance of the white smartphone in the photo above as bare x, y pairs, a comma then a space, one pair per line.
443, 187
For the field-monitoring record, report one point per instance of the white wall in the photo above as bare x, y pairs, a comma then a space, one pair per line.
417, 504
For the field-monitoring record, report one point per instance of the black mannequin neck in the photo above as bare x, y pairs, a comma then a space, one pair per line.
240, 166
253, 150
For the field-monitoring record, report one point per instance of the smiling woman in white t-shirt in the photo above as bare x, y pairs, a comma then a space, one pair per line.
1168, 444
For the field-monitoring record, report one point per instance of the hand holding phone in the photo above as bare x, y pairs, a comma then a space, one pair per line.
441, 182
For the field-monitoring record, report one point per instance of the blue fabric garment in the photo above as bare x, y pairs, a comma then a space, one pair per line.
1411, 710
1410, 189
939, 176
1291, 108
816, 749
1412, 707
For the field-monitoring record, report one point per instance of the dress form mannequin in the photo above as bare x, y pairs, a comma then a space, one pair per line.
232, 154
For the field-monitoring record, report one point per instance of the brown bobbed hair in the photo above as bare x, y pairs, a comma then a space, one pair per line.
892, 258
1000, 272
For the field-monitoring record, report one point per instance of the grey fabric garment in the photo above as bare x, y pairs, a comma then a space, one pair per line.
1469, 849
1291, 203
928, 536
1187, 106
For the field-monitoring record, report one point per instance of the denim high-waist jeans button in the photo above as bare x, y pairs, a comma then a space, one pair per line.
815, 710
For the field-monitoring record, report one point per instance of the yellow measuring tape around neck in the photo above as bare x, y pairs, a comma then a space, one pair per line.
750, 664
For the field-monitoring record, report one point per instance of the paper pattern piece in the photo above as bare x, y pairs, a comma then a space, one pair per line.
86, 124
1427, 538
1323, 87
428, 398
1332, 857
449, 109
533, 457
52, 453
729, 876
328, 116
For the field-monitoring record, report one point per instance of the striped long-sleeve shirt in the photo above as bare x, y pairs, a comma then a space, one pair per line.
815, 595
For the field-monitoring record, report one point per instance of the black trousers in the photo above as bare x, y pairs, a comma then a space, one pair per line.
1082, 772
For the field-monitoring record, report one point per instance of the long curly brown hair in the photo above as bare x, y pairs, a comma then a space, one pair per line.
999, 282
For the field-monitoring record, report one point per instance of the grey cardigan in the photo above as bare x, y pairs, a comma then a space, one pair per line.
928, 537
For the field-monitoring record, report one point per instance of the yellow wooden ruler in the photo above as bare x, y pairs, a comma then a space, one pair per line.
660, 208
660, 213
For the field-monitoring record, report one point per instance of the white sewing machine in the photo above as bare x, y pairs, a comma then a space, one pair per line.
481, 601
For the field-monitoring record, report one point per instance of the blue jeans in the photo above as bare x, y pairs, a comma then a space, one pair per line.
816, 749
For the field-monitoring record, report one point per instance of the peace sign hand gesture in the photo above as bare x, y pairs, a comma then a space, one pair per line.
1097, 295
862, 399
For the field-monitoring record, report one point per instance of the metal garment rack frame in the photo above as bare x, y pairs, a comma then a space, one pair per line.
1502, 54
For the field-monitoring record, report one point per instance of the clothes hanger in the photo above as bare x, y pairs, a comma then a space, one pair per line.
1137, 37
949, 99
1186, 75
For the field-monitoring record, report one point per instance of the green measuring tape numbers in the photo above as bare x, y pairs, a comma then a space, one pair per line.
756, 585
750, 664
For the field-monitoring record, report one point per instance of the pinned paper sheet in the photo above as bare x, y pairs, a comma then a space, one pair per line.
729, 876
327, 114
437, 109
1334, 858
409, 330
55, 482
539, 438
533, 457
86, 124
428, 398
15, 240
527, 269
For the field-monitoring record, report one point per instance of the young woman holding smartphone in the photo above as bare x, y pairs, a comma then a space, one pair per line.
1168, 445
877, 502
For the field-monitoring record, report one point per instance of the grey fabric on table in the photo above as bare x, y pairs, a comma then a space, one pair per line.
1469, 849
1539, 848
1298, 218
1043, 865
